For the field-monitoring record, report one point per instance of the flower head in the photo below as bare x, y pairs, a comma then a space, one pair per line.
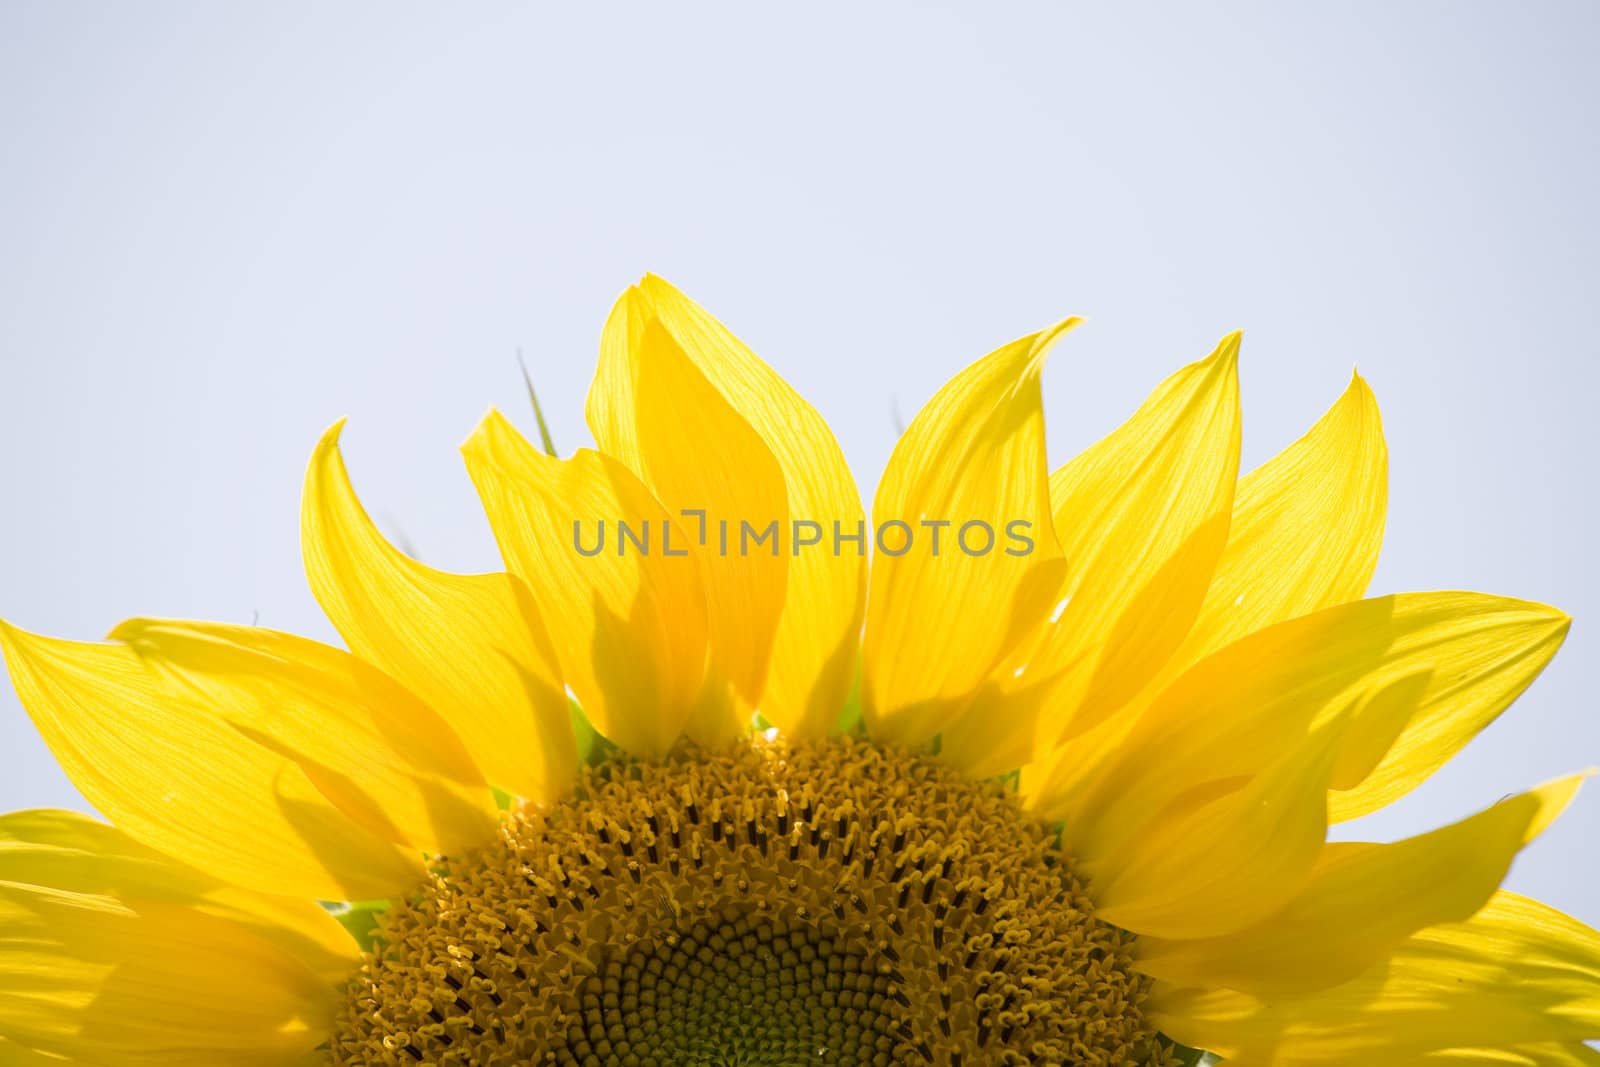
688, 785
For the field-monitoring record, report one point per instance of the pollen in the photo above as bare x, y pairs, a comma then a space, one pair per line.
768, 905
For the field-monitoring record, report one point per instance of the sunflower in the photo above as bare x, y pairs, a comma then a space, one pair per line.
685, 786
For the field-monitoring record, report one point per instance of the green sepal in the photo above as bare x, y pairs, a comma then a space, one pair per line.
592, 748
359, 918
1193, 1057
851, 720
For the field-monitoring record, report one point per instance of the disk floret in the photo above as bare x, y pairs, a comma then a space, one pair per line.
772, 903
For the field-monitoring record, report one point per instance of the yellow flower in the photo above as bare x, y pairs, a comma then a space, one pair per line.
1052, 787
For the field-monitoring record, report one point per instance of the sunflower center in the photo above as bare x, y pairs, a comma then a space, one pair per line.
770, 904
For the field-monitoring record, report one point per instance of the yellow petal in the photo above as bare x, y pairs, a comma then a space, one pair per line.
1306, 530
997, 731
1142, 517
1052, 784
940, 616
1422, 665
1550, 1054
68, 851
14, 1055
704, 462
170, 769
471, 646
629, 626
383, 757
114, 982
1504, 660
1362, 900
814, 644
1518, 974
1220, 860
1305, 534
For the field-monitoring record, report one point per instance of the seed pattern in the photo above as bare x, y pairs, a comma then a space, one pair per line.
775, 904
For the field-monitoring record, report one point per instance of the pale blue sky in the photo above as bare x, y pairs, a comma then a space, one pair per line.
223, 226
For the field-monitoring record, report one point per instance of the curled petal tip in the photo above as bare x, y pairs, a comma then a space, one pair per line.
1561, 620
20, 639
330, 436
1051, 334
1228, 347
1045, 340
9, 636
